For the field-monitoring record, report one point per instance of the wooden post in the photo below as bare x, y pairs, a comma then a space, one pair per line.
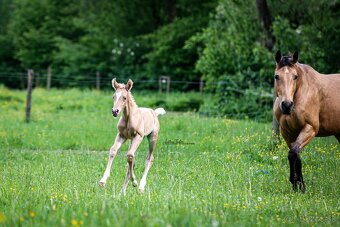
201, 86
163, 80
98, 80
49, 76
29, 94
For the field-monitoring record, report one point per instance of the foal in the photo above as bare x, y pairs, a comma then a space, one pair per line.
134, 124
307, 105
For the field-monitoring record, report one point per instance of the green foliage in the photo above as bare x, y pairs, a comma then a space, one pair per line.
234, 64
207, 171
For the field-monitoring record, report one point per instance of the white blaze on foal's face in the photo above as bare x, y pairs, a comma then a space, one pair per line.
119, 101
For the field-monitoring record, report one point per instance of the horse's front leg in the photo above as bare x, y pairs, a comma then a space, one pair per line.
113, 152
306, 134
131, 158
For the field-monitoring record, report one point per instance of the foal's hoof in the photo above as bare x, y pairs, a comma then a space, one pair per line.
102, 184
141, 190
134, 183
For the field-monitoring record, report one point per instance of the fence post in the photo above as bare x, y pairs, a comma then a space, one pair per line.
201, 86
49, 76
163, 80
98, 80
29, 94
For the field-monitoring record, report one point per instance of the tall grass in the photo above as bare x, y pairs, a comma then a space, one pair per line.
207, 171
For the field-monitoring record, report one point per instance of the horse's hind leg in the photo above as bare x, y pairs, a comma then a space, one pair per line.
338, 137
149, 160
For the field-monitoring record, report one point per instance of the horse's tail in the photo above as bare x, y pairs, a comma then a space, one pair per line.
160, 111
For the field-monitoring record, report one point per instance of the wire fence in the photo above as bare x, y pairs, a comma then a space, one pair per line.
91, 81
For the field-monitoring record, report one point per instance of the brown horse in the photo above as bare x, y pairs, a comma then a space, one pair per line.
134, 124
307, 105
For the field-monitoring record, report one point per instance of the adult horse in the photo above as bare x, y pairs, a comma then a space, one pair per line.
134, 124
307, 104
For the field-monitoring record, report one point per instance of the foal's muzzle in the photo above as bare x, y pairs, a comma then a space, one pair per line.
115, 112
286, 107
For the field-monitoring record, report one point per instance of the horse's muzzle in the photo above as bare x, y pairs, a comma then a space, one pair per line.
286, 107
115, 112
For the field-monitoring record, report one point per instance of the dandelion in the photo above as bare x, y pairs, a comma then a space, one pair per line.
76, 223
2, 217
31, 213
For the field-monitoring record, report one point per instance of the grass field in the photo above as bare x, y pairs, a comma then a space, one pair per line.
207, 171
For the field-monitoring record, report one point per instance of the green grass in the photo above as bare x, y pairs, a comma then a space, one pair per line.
207, 171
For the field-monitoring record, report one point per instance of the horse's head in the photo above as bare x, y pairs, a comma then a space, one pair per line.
120, 96
286, 80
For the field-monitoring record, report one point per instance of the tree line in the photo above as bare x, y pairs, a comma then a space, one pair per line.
215, 40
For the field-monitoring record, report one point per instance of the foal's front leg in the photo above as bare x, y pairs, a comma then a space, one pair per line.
306, 134
131, 158
113, 152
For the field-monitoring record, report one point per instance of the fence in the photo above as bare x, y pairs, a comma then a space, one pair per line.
164, 83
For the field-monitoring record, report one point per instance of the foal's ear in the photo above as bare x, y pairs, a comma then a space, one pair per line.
114, 84
129, 85
295, 57
278, 56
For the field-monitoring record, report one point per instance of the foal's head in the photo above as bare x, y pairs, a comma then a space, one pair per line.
286, 80
120, 97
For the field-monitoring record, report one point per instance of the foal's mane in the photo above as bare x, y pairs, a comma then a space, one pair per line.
131, 100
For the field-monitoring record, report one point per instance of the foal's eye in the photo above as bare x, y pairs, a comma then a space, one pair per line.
124, 97
295, 77
276, 77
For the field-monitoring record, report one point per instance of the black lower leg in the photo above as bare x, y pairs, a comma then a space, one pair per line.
295, 166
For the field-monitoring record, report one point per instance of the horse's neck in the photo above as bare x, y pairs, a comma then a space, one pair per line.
130, 108
310, 79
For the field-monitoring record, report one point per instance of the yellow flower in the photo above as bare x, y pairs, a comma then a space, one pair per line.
31, 213
76, 223
2, 217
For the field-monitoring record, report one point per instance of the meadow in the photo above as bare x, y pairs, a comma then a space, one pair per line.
208, 171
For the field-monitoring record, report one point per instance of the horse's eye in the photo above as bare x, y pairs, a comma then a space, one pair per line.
295, 77
276, 77
124, 97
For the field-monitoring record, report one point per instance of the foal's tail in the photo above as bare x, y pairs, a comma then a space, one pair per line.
160, 111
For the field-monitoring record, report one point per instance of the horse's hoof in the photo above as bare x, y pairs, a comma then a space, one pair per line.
141, 190
102, 184
134, 183
302, 187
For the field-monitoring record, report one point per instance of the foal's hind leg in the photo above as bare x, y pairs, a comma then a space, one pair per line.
131, 157
126, 179
149, 160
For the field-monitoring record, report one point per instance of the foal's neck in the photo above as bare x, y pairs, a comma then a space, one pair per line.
130, 106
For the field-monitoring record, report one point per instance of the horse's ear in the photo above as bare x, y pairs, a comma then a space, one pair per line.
278, 56
129, 85
295, 57
114, 84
